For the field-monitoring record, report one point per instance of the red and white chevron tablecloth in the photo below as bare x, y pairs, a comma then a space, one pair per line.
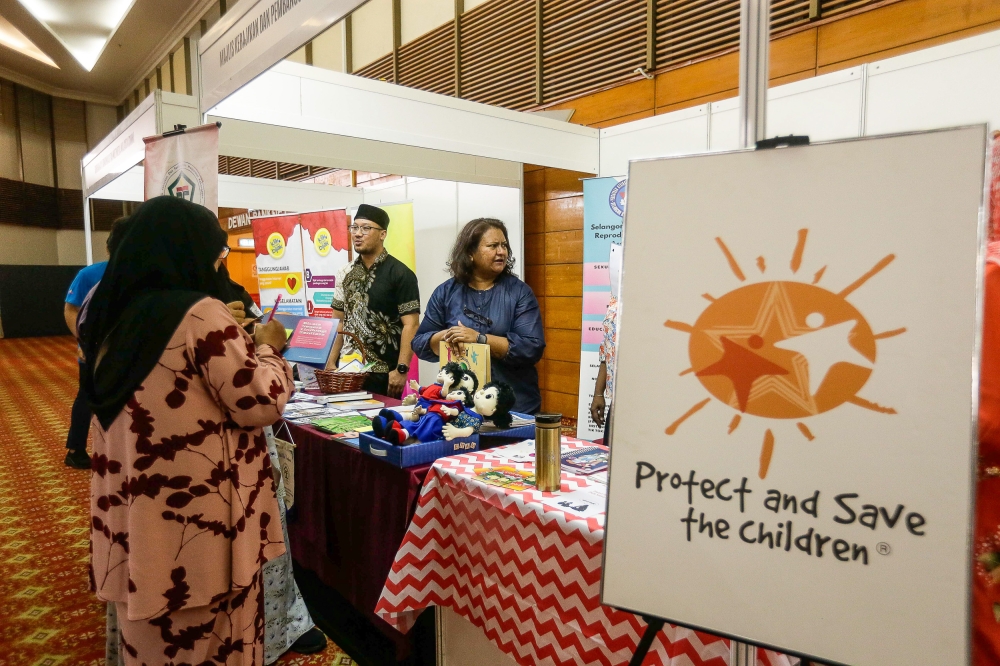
527, 574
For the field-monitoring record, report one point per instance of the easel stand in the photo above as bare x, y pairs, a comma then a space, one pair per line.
740, 654
653, 626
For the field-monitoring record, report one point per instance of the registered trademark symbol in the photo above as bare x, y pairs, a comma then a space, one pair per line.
883, 548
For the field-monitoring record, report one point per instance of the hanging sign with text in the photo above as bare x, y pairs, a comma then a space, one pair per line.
794, 433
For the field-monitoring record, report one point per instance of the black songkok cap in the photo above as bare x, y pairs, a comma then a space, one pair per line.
373, 214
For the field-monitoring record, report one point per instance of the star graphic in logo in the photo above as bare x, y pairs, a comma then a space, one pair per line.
782, 349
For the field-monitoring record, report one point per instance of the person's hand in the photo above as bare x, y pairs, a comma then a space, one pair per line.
272, 333
397, 381
238, 310
597, 407
460, 333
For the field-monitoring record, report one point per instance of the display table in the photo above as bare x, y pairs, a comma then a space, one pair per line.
526, 574
350, 515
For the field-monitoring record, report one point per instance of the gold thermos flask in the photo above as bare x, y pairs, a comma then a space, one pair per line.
548, 452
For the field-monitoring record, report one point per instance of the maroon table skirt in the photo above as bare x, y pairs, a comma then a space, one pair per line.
351, 513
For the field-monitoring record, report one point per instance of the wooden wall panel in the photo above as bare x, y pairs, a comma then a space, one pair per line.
534, 217
620, 101
563, 214
562, 344
564, 311
900, 24
564, 280
534, 249
564, 247
554, 270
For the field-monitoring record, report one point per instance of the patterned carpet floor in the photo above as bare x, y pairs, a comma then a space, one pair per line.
47, 616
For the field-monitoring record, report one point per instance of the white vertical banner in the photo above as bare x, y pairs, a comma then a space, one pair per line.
184, 165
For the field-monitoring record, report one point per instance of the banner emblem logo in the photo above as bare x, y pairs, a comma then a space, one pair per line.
323, 242
617, 198
276, 245
184, 182
782, 349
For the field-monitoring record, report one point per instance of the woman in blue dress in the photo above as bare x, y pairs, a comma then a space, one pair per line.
485, 302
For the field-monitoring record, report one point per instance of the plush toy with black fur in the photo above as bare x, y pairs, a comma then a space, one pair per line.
494, 401
451, 375
427, 427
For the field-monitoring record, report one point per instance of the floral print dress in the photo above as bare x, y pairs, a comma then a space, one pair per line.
183, 506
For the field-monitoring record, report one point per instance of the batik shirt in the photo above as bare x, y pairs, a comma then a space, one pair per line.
373, 301
608, 353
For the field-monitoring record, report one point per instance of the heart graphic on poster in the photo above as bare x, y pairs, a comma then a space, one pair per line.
292, 283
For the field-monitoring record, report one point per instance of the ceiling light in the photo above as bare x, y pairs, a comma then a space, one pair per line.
84, 28
13, 38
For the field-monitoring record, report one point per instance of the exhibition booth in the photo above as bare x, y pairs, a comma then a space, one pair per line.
514, 573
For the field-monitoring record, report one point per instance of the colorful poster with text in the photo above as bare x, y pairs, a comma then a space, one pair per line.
278, 246
324, 251
603, 213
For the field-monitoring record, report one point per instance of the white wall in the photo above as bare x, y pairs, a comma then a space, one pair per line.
371, 32
328, 48
418, 17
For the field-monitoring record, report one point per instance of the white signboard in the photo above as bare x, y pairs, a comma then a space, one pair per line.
121, 152
794, 437
255, 34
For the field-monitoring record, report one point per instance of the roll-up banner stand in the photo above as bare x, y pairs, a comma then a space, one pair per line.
603, 208
794, 425
184, 164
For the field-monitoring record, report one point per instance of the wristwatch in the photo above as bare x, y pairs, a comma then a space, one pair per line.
402, 368
481, 339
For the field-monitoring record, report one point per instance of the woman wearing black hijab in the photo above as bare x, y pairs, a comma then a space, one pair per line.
183, 506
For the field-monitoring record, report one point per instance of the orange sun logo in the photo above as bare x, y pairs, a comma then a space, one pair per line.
782, 349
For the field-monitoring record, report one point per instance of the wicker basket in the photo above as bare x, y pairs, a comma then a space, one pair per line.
331, 381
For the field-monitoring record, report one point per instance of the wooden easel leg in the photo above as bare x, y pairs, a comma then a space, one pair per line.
653, 626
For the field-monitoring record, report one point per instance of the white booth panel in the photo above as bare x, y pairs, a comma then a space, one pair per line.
239, 192
126, 187
435, 225
503, 203
724, 125
270, 141
823, 108
677, 133
336, 103
943, 86
123, 148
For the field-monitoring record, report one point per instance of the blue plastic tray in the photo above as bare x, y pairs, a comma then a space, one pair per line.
419, 453
489, 440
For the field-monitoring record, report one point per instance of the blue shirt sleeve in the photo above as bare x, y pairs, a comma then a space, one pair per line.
84, 282
435, 319
526, 335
